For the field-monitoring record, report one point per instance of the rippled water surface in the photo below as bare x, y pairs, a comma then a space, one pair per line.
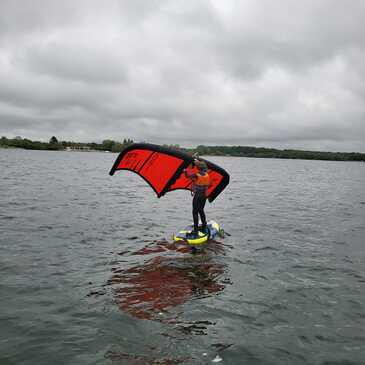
89, 273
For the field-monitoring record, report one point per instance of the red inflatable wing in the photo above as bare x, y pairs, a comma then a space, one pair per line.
162, 168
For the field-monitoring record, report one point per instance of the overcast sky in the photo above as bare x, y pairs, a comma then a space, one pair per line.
266, 73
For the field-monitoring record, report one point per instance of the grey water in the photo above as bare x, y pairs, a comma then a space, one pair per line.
89, 273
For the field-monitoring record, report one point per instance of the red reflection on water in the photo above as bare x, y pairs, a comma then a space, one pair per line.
162, 246
147, 290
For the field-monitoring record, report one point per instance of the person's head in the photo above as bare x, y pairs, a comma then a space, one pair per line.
201, 165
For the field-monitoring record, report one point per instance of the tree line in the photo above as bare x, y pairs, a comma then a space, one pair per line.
247, 151
55, 145
239, 151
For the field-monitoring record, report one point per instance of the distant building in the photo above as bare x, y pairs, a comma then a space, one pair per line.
78, 148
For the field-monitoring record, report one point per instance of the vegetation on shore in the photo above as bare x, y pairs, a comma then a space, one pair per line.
245, 151
55, 145
240, 151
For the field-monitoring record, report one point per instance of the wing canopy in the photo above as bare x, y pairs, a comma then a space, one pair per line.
162, 168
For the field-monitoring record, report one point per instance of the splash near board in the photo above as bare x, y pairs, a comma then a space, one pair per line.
163, 169
213, 230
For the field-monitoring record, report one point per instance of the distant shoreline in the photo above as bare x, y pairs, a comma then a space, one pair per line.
233, 151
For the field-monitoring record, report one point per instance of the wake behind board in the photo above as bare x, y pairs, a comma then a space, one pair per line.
213, 230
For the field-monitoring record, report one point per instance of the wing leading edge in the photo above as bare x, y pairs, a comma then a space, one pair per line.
162, 168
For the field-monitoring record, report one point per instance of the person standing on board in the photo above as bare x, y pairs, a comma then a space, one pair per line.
201, 183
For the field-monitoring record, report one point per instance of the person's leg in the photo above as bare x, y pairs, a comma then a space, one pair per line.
196, 212
202, 213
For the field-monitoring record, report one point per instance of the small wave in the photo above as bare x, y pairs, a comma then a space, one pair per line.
7, 217
143, 359
262, 277
221, 346
45, 228
96, 293
266, 248
194, 328
341, 362
315, 268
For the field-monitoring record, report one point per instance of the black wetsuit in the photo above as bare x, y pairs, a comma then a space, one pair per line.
199, 201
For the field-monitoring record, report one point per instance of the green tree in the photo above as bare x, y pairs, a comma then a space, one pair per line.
108, 144
3, 141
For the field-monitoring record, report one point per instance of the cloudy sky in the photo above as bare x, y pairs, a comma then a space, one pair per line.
266, 73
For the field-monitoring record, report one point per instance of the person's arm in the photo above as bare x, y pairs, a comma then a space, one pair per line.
189, 176
192, 175
208, 187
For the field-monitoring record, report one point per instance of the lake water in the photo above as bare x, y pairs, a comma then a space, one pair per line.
89, 273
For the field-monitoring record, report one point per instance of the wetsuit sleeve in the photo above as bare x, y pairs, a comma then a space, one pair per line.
190, 176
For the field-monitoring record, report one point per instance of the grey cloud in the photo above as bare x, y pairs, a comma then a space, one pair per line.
202, 72
294, 36
22, 18
74, 63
